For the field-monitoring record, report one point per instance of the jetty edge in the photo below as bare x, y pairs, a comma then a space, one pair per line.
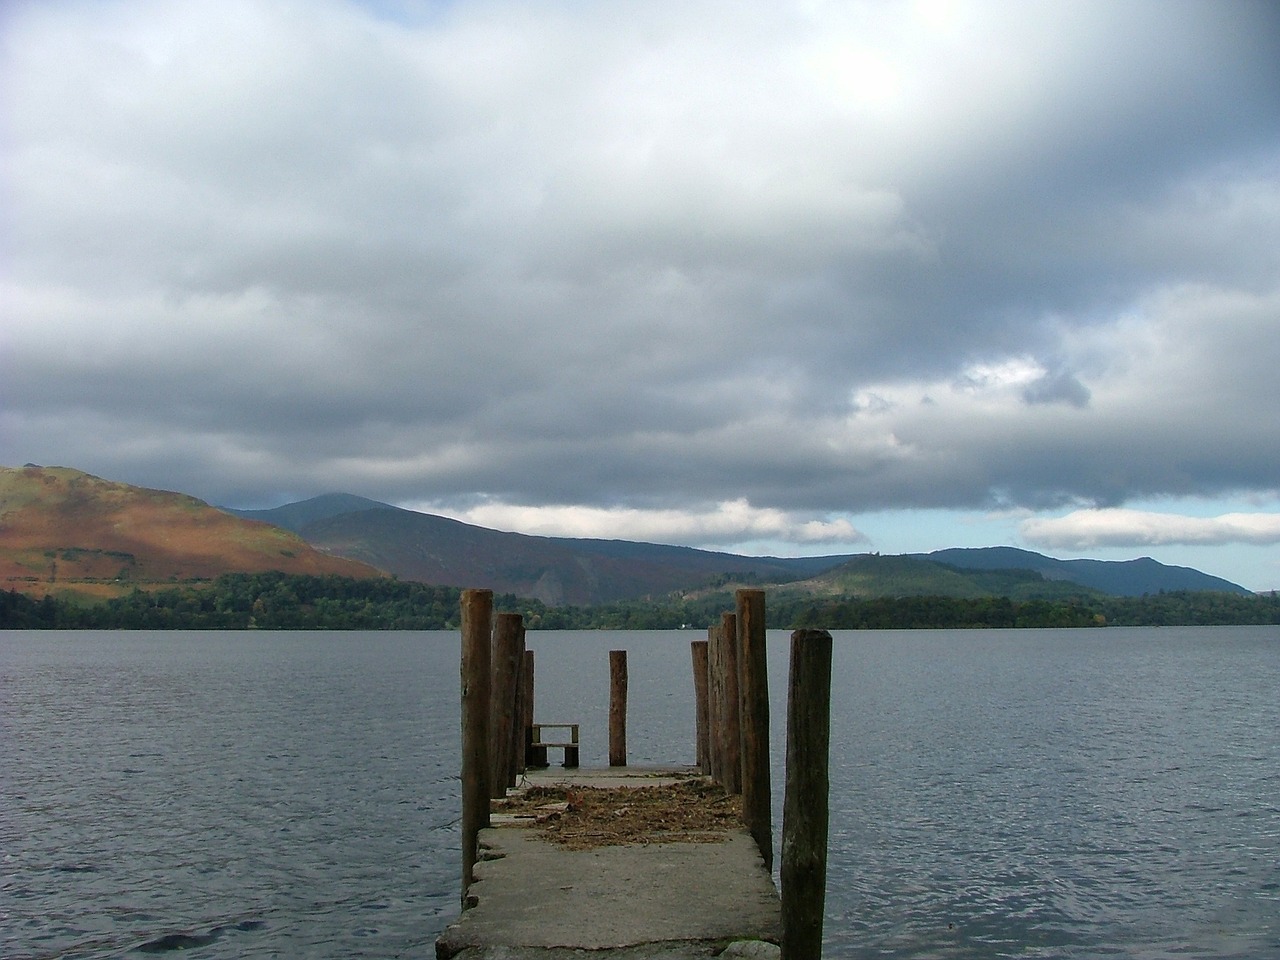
677, 862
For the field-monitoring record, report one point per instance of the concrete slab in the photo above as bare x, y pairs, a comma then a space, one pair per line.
647, 901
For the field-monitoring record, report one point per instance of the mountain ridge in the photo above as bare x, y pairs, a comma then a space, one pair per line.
1130, 578
62, 530
555, 570
583, 571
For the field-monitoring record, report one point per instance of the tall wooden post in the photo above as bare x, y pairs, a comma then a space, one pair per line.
526, 711
502, 696
805, 807
732, 731
753, 671
516, 740
702, 752
502, 711
715, 701
477, 628
617, 708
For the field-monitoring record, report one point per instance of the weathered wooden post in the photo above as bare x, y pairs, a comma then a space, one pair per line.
505, 653
515, 746
617, 708
698, 648
732, 731
753, 672
805, 806
526, 707
477, 628
715, 701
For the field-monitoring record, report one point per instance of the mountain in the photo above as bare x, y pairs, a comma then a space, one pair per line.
64, 531
295, 516
560, 570
555, 570
910, 575
1120, 578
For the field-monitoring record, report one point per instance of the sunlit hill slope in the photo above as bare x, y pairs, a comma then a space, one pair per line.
67, 532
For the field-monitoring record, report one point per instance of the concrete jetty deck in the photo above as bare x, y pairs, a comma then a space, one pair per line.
537, 899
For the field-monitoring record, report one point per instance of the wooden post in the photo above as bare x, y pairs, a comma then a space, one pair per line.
502, 717
571, 752
715, 701
617, 708
804, 811
477, 627
526, 708
753, 671
732, 731
516, 740
698, 649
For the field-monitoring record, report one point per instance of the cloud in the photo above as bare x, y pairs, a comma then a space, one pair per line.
727, 522
809, 259
1086, 529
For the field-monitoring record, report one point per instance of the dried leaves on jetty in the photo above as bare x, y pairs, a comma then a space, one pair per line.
581, 817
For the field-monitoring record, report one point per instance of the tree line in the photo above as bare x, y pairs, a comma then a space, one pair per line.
278, 601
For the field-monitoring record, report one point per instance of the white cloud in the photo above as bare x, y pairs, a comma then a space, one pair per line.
1116, 527
733, 521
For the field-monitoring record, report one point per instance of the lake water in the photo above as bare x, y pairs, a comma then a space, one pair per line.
994, 793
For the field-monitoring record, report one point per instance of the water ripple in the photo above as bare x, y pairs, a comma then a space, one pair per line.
1055, 794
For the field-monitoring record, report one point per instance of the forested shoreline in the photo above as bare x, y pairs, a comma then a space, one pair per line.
276, 601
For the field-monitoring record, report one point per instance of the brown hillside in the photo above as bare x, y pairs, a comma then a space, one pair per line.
66, 531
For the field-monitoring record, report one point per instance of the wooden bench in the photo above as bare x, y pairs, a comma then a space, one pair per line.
536, 747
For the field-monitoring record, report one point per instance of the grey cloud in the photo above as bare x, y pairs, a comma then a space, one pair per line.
1057, 386
558, 258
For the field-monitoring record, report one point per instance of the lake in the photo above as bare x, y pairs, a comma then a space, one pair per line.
1070, 793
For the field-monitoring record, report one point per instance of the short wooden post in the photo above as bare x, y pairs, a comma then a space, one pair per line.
753, 672
732, 732
526, 708
805, 806
617, 708
571, 751
702, 751
477, 627
537, 749
502, 715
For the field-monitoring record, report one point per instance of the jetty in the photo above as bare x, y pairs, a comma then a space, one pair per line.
640, 863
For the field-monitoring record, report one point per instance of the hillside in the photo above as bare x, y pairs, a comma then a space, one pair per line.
563, 571
873, 575
1120, 578
555, 570
64, 531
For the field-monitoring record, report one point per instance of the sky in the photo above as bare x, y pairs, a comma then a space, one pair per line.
785, 277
